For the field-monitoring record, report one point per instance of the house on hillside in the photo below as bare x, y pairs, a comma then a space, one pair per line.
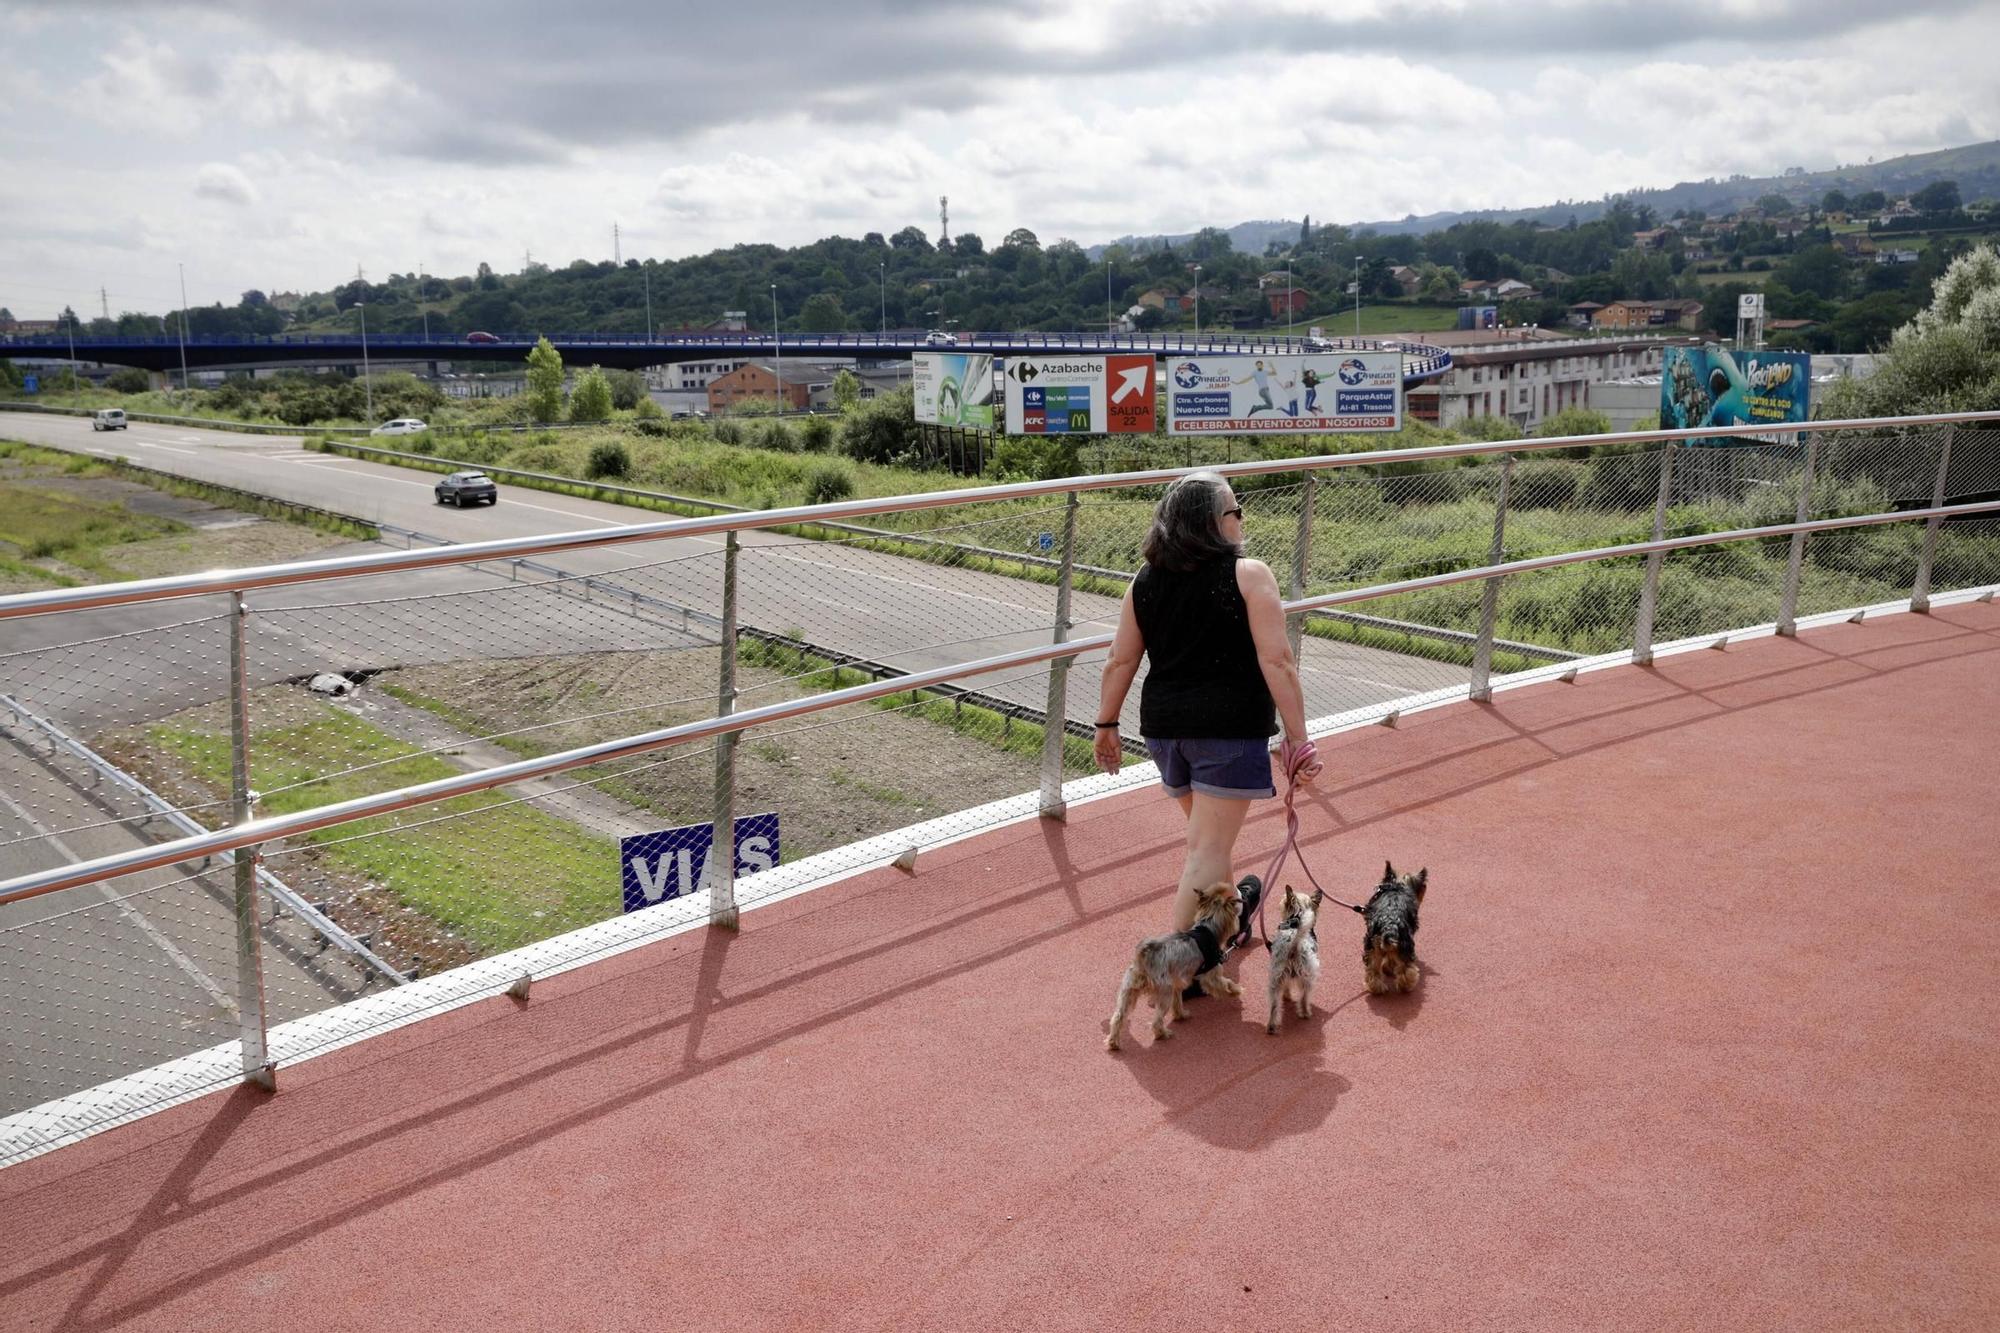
1474, 290
1287, 302
1854, 244
1790, 325
1657, 238
1583, 314
1889, 257
1665, 313
1407, 278
1513, 289
1163, 299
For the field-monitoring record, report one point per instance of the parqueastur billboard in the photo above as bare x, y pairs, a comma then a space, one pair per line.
1714, 386
953, 388
1285, 395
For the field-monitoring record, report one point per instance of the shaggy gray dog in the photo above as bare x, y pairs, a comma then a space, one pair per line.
1294, 957
1164, 966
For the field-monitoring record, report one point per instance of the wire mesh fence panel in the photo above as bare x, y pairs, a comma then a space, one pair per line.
71, 683
1849, 567
962, 591
1876, 470
109, 979
1708, 589
1966, 555
1975, 464
1587, 609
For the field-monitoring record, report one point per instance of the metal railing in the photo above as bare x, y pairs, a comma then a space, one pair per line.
1635, 478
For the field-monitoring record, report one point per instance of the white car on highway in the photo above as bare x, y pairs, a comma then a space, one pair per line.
400, 426
939, 338
109, 418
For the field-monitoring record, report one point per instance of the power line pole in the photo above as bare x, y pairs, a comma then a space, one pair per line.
104, 302
617, 251
184, 326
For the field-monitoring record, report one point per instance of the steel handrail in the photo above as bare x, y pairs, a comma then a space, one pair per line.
269, 829
309, 571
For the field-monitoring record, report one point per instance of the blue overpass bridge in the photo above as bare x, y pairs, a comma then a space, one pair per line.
632, 352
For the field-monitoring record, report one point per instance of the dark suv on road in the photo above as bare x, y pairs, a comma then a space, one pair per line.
464, 488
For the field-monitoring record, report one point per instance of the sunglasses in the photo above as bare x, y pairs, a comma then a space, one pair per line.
1237, 512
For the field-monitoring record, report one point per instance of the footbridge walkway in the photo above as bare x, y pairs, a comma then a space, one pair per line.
1707, 1032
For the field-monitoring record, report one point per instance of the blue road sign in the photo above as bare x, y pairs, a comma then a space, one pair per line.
31, 384
670, 864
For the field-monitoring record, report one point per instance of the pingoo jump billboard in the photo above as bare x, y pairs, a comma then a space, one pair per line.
1714, 386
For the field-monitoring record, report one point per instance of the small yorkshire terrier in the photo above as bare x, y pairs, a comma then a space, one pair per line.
1165, 965
1389, 948
1294, 957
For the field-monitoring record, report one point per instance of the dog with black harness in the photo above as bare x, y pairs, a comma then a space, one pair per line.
1165, 966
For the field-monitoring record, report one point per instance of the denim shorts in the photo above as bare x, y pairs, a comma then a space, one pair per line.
1238, 770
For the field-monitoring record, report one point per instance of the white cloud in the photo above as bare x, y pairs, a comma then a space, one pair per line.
219, 180
388, 135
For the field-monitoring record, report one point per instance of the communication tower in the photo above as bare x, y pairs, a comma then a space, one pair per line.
944, 220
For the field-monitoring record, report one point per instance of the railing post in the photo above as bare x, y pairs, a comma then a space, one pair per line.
1295, 624
1920, 591
257, 1066
720, 872
1489, 597
1649, 592
1788, 601
1057, 712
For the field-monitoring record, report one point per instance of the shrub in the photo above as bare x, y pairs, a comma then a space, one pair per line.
1545, 483
728, 432
608, 459
129, 380
816, 436
646, 409
777, 436
651, 426
1488, 428
590, 400
827, 483
539, 458
882, 429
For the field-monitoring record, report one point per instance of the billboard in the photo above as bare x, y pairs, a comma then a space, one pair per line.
1080, 395
1285, 395
672, 863
953, 388
1714, 386
1478, 316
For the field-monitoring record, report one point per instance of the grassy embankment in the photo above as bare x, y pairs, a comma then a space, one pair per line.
460, 862
40, 522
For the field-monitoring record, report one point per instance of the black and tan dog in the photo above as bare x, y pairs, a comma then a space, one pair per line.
1164, 966
1389, 946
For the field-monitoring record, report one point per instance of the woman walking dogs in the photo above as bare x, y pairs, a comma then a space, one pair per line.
1222, 677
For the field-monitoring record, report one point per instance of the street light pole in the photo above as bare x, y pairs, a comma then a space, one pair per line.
649, 304
1291, 310
882, 272
69, 322
1107, 298
1197, 302
367, 382
1357, 294
423, 305
778, 347
184, 326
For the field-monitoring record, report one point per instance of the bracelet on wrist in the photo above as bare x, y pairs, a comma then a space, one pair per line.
1113, 726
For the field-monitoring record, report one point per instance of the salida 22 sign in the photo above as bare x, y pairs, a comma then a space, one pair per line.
1080, 395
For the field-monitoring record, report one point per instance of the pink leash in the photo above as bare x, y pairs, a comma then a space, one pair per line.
1294, 760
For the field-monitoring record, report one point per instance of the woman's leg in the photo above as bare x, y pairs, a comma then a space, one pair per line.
1213, 823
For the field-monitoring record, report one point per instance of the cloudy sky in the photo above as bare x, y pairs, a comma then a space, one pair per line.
282, 145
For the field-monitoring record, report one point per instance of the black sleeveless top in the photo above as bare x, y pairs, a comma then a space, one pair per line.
1202, 680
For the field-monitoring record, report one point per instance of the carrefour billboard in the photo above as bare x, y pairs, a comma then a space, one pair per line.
953, 388
1285, 395
1714, 386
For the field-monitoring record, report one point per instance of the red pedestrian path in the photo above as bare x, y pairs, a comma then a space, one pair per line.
1707, 1039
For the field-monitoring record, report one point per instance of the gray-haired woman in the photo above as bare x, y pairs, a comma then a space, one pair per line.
1221, 677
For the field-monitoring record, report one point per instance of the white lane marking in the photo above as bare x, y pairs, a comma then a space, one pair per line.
131, 913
